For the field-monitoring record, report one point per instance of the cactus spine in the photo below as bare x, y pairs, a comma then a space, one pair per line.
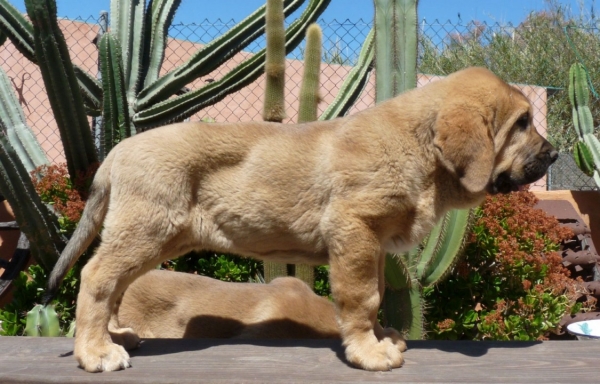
587, 150
274, 105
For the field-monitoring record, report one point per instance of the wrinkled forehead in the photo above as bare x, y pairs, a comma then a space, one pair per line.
518, 100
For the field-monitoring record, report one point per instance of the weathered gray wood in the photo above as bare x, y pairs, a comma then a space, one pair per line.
50, 360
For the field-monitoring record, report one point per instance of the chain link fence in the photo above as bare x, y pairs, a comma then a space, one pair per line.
534, 55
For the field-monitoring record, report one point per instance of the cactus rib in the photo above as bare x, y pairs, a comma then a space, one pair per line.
395, 32
160, 14
115, 110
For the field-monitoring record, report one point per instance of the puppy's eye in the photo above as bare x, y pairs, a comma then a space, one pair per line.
523, 121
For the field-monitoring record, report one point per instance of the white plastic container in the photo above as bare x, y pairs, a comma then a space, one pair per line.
585, 330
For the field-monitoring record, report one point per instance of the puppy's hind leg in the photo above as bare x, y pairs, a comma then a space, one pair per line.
115, 265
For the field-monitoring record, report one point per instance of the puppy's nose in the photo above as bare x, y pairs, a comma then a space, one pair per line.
549, 150
553, 156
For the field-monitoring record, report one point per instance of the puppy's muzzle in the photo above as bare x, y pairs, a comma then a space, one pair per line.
537, 165
535, 168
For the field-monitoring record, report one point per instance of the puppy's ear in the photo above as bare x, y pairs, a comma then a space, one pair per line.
464, 143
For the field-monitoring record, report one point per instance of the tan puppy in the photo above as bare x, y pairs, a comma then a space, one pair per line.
165, 304
342, 192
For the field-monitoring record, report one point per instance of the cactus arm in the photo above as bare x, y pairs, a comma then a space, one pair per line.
450, 245
35, 220
160, 15
20, 31
354, 83
115, 111
274, 103
42, 321
210, 56
178, 108
13, 123
62, 87
309, 90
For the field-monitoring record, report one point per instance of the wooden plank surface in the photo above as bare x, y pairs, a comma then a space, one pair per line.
50, 360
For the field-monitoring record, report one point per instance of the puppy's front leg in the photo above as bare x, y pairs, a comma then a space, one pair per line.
354, 256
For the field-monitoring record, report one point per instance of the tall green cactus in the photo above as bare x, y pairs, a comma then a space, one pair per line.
395, 47
65, 98
274, 105
309, 90
587, 150
407, 274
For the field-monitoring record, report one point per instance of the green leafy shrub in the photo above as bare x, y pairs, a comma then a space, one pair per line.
29, 287
510, 284
322, 287
56, 189
224, 267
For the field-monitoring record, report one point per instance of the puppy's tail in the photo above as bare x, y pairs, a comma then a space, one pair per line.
89, 225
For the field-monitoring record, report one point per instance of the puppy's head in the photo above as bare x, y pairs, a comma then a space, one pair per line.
485, 135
